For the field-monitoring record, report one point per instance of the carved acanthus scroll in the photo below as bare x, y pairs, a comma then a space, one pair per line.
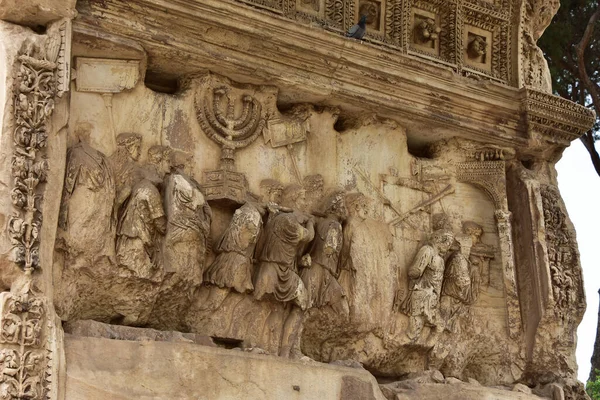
42, 76
34, 103
23, 358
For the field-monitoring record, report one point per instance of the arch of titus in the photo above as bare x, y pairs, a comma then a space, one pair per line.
229, 199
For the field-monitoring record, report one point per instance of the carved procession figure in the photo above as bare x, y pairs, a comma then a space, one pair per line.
457, 290
124, 163
367, 265
184, 248
142, 221
233, 266
286, 238
88, 231
189, 217
320, 279
426, 276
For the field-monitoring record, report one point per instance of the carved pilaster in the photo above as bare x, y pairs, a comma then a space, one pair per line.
28, 334
503, 219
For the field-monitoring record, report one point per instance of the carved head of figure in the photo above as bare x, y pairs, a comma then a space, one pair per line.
270, 191
314, 183
477, 47
442, 239
132, 143
160, 157
335, 205
294, 196
475, 231
441, 221
358, 205
370, 11
181, 161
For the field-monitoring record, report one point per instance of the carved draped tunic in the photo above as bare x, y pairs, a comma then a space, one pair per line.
137, 233
427, 274
457, 279
277, 272
320, 279
232, 267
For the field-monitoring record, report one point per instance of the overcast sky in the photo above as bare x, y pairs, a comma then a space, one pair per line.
580, 188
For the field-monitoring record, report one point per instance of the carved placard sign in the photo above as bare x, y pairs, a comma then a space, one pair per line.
105, 75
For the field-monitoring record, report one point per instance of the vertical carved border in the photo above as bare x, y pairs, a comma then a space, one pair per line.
27, 327
350, 11
491, 177
563, 259
24, 358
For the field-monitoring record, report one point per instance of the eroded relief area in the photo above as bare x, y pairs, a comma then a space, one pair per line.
302, 233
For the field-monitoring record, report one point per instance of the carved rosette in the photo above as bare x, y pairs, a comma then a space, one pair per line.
23, 358
438, 30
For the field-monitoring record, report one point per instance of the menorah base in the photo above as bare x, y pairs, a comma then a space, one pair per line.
225, 185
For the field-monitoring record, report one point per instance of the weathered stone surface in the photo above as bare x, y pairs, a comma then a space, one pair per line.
453, 391
36, 12
248, 177
95, 329
102, 368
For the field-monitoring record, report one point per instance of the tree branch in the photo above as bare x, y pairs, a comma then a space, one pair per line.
588, 142
580, 48
592, 89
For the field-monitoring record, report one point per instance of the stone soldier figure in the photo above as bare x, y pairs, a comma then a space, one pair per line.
426, 277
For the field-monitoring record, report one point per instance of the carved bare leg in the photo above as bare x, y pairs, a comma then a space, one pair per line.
415, 326
291, 331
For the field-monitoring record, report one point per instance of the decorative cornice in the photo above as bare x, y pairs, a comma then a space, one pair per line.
558, 120
314, 65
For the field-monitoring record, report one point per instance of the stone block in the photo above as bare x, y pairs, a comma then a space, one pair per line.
99, 368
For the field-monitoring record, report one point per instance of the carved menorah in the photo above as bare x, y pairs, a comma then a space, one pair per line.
225, 129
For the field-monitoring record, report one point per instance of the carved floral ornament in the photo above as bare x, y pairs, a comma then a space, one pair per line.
42, 76
23, 357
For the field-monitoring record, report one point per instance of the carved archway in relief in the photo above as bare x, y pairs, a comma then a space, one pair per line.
489, 176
